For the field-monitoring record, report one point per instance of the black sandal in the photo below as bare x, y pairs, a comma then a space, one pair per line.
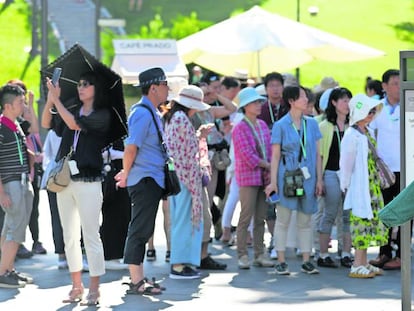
154, 283
148, 289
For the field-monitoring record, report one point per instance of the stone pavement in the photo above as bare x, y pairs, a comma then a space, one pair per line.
258, 288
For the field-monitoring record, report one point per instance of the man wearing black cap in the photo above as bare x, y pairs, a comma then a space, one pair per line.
143, 174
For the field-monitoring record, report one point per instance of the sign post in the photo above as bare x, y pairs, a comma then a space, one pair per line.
407, 166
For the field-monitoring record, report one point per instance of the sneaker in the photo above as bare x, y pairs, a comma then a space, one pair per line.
62, 263
8, 280
151, 255
309, 268
38, 248
273, 254
85, 265
380, 261
263, 261
209, 263
23, 277
361, 272
346, 262
393, 264
115, 264
282, 268
167, 256
326, 262
23, 252
244, 262
186, 273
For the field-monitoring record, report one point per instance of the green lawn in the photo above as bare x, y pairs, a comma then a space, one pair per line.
371, 22
377, 23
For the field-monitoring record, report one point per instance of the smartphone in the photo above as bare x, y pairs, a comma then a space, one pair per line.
56, 75
273, 198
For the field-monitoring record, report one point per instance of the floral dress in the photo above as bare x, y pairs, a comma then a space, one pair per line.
370, 232
183, 146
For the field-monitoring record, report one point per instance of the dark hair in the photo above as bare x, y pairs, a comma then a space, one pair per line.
317, 99
8, 93
101, 99
19, 83
292, 92
336, 94
175, 106
376, 85
273, 76
388, 74
230, 82
210, 77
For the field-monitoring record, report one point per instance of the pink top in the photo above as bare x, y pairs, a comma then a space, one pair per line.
247, 154
183, 146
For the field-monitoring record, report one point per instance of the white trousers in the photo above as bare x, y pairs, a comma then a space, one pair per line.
79, 206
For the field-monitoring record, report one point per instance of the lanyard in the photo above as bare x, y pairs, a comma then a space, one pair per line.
272, 117
76, 139
391, 110
302, 140
260, 138
19, 148
339, 138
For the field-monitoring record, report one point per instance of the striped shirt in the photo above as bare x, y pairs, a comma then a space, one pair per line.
12, 161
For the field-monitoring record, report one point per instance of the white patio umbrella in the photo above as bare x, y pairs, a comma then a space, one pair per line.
261, 42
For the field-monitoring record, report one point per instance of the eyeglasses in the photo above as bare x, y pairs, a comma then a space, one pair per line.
373, 111
84, 84
162, 83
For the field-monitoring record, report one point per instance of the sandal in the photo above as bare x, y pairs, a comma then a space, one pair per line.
375, 270
361, 272
75, 295
134, 289
154, 283
92, 299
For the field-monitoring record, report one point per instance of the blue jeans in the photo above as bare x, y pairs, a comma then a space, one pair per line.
333, 204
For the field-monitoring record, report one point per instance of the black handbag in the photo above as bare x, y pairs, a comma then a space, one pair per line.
172, 183
293, 183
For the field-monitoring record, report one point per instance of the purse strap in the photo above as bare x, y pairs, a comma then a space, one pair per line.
161, 139
370, 144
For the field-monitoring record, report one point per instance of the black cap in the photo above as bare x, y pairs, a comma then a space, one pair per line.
151, 76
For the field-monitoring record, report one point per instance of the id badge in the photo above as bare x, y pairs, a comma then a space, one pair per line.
73, 167
23, 179
305, 172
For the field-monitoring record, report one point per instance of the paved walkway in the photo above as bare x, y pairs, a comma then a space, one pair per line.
257, 288
73, 22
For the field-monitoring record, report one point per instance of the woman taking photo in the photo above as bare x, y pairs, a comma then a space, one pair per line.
360, 182
295, 147
83, 130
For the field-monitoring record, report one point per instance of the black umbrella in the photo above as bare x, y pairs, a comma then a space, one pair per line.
77, 61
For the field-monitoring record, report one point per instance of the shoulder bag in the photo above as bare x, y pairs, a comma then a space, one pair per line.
386, 176
172, 183
59, 176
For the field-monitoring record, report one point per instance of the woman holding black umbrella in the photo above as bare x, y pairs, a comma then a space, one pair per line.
83, 129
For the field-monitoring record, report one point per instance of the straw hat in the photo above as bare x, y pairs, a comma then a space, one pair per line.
192, 96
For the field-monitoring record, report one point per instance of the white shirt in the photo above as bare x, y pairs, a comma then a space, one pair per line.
353, 167
387, 127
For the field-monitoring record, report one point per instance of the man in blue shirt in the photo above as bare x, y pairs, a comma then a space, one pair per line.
143, 174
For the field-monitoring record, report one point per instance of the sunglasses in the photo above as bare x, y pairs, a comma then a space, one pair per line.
373, 111
84, 84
